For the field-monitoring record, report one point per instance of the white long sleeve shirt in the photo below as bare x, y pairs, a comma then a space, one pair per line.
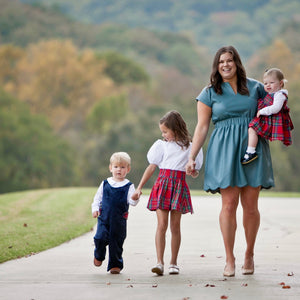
99, 194
278, 102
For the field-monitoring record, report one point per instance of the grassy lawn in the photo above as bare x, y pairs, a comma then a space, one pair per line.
37, 220
33, 221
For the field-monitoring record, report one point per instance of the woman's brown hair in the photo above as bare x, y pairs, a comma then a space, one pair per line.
216, 79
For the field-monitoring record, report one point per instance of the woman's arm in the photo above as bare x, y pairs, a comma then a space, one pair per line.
201, 130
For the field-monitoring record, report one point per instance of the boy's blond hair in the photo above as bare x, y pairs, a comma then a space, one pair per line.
120, 157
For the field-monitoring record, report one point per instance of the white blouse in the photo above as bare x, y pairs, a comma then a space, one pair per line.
169, 155
278, 101
99, 195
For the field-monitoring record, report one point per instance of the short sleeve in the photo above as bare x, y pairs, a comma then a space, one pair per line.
205, 96
156, 153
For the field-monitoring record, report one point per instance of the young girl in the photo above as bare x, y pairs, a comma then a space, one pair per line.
272, 121
170, 194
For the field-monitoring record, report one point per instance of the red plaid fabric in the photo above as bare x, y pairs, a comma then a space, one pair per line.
170, 192
274, 127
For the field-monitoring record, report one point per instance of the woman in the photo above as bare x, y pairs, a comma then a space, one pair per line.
231, 102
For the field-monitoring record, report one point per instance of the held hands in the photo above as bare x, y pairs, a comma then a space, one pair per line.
195, 174
190, 168
136, 195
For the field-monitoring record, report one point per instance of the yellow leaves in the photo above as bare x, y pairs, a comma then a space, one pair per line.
56, 79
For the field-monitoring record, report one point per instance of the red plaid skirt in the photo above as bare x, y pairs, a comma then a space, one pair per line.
170, 192
274, 127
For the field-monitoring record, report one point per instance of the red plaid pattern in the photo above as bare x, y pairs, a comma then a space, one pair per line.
170, 192
274, 127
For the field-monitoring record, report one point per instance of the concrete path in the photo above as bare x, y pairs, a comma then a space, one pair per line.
67, 272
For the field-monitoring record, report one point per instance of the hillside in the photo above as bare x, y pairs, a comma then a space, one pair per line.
101, 88
246, 24
22, 24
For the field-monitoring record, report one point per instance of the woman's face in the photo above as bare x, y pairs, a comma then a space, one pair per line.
227, 67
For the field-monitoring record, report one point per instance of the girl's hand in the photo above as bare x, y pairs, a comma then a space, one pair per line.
190, 167
258, 114
95, 214
136, 195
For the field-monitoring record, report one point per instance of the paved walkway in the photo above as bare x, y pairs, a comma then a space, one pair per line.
66, 272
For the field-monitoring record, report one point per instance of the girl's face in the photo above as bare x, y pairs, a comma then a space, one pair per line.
119, 170
272, 84
227, 67
167, 133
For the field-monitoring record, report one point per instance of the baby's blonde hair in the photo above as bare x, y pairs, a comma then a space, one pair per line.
278, 73
120, 157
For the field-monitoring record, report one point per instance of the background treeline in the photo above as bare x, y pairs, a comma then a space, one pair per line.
73, 93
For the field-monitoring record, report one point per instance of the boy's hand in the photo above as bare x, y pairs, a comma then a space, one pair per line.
136, 195
95, 214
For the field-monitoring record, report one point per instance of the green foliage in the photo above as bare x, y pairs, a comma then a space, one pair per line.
123, 70
106, 113
212, 23
30, 155
42, 219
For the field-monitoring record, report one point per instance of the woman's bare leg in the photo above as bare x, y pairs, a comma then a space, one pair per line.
227, 218
251, 222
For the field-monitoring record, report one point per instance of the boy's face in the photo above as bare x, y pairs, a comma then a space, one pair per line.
119, 170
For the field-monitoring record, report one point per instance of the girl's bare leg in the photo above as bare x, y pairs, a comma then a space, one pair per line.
160, 236
251, 222
252, 138
176, 235
227, 219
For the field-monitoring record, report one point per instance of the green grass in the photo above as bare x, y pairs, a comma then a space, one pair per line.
37, 220
33, 221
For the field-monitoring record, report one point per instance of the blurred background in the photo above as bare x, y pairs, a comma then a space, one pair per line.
82, 79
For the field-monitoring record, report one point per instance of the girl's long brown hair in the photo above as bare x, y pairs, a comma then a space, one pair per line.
216, 79
174, 121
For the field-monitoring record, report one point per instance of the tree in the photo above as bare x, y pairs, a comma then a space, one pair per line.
31, 155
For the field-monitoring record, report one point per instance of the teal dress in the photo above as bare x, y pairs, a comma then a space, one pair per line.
231, 115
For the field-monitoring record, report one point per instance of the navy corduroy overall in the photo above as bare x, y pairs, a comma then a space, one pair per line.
112, 225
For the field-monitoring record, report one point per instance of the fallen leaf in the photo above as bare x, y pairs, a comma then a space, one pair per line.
286, 287
290, 274
186, 298
25, 225
245, 284
9, 247
154, 285
281, 283
130, 286
223, 297
108, 283
202, 255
